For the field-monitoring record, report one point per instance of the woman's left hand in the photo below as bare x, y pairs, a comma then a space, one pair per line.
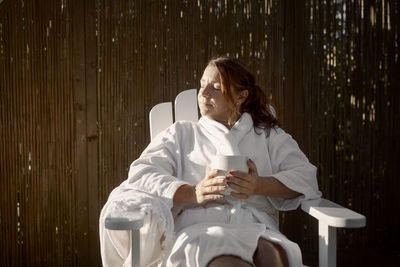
244, 184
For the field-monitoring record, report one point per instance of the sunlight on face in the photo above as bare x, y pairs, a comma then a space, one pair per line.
211, 101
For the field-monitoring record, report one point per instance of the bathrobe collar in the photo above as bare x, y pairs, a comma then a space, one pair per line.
227, 140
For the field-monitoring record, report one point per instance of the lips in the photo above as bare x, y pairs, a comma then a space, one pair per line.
207, 104
204, 102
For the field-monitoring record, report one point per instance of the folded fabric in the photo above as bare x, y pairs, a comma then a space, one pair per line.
156, 235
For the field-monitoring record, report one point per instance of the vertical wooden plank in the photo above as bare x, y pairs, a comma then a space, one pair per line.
289, 90
278, 57
293, 96
35, 125
8, 222
52, 127
92, 132
47, 113
19, 207
80, 105
24, 130
62, 162
102, 82
71, 174
4, 183
29, 133
43, 119
299, 44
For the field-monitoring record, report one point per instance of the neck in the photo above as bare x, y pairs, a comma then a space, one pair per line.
228, 123
229, 126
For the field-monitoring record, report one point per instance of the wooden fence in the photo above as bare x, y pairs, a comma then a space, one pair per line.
78, 78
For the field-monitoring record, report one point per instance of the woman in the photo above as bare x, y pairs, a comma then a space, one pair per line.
212, 229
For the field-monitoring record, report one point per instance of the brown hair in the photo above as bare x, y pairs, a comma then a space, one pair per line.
234, 75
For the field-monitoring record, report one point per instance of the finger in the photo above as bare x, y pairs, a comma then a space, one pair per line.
238, 174
252, 166
245, 177
239, 195
218, 180
238, 188
213, 189
238, 181
212, 174
213, 196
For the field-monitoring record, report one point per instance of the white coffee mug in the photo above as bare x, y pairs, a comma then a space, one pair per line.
225, 164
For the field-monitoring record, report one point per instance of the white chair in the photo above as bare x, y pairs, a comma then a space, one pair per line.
329, 214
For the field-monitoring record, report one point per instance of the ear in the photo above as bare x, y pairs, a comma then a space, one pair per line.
243, 95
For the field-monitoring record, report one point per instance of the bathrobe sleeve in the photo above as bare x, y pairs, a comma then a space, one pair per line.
157, 168
291, 167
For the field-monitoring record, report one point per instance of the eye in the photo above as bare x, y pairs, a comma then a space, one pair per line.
217, 86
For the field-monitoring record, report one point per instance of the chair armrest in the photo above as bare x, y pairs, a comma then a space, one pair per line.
127, 220
333, 214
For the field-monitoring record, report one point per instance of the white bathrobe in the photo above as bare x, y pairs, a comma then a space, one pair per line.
179, 155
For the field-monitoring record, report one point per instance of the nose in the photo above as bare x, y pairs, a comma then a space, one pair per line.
205, 92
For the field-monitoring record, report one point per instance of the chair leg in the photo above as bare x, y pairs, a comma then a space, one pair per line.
135, 247
327, 245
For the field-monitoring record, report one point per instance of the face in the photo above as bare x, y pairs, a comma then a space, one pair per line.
211, 101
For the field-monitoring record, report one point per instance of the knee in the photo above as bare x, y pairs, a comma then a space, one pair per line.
270, 254
226, 260
267, 247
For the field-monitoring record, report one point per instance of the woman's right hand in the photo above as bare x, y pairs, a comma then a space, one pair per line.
210, 187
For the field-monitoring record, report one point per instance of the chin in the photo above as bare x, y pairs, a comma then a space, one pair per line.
205, 111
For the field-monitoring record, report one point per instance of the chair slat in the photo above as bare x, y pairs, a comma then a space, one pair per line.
160, 118
186, 106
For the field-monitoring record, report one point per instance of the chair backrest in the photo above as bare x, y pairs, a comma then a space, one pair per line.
161, 115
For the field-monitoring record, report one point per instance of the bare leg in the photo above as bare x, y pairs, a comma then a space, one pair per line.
227, 260
270, 254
